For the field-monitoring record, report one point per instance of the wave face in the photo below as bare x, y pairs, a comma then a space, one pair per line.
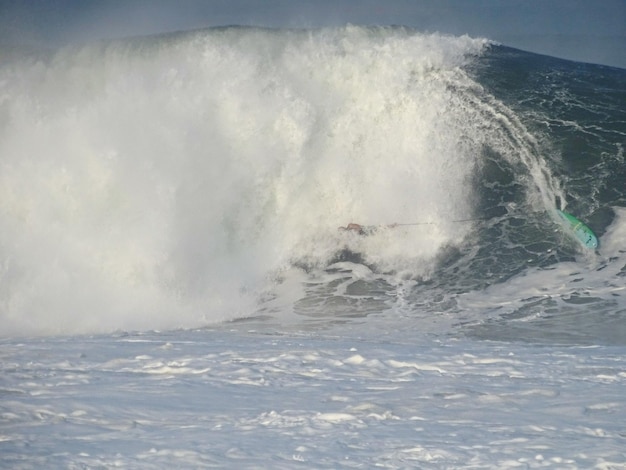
183, 180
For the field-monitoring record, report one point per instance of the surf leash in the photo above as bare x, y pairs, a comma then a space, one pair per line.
435, 223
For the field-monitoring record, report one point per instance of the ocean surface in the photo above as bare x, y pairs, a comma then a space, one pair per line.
175, 288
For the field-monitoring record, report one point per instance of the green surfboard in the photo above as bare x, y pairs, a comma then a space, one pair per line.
579, 230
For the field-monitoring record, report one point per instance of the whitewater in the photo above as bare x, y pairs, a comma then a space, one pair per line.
175, 288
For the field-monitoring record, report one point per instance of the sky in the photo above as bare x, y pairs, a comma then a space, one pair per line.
583, 30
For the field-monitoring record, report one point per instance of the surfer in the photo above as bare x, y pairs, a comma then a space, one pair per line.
364, 229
